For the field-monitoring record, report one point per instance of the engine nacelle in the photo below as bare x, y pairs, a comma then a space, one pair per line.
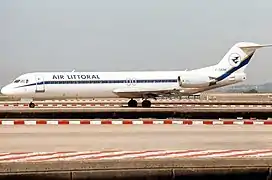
238, 77
196, 81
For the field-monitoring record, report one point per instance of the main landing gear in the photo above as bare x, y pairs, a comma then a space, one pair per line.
133, 103
31, 105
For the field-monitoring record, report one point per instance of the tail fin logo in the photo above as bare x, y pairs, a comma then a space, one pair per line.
234, 59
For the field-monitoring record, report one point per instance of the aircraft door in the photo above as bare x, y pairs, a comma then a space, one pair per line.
40, 86
179, 81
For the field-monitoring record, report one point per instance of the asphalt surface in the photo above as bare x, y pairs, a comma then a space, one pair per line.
133, 137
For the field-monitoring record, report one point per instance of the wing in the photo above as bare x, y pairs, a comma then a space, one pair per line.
143, 92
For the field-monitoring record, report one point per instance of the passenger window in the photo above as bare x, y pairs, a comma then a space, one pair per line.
27, 81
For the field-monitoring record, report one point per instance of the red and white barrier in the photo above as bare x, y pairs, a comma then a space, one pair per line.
132, 122
111, 155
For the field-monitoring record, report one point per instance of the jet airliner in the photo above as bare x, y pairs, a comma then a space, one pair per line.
134, 84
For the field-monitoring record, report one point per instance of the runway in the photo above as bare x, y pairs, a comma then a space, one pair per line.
105, 105
122, 103
180, 109
47, 138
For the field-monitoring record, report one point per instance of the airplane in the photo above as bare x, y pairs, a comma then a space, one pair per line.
134, 84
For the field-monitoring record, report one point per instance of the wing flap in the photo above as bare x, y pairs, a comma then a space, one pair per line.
143, 92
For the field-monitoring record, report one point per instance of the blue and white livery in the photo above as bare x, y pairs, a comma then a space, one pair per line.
133, 84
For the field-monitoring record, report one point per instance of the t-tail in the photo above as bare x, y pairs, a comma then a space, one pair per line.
236, 59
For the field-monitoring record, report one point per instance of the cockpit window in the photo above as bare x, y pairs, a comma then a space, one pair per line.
21, 81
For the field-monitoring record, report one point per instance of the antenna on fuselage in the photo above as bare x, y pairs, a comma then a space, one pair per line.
73, 70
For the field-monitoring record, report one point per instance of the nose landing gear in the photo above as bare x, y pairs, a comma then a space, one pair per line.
31, 105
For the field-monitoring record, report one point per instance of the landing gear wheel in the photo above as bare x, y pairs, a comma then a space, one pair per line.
146, 103
31, 105
132, 103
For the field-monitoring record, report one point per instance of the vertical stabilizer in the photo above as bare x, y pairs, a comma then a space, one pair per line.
237, 58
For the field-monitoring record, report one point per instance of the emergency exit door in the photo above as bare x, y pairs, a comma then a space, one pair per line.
40, 86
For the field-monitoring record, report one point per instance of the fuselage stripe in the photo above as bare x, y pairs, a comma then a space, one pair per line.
104, 82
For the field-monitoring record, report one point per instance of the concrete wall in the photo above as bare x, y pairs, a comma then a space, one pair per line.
248, 169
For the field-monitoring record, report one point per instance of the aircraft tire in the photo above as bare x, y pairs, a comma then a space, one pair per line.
146, 104
132, 103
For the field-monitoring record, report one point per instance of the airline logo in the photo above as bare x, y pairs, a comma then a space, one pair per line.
76, 76
234, 59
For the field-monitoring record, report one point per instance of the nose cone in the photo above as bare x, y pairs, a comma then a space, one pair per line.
5, 91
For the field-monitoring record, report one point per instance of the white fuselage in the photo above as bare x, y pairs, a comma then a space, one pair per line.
134, 84
65, 85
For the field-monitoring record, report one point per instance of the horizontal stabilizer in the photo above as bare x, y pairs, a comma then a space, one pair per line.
253, 45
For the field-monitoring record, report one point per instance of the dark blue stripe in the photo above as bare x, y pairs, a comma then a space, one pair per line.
104, 82
232, 70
